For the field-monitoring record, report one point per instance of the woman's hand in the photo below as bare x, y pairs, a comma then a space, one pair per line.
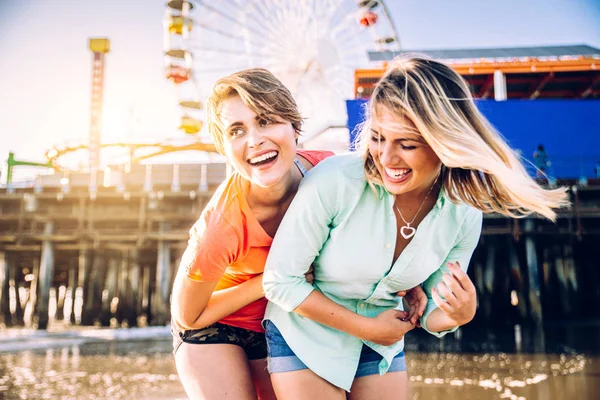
309, 275
417, 301
388, 327
459, 293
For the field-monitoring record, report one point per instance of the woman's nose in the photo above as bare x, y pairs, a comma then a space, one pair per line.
387, 153
255, 138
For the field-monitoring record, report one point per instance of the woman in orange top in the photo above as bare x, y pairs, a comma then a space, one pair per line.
218, 302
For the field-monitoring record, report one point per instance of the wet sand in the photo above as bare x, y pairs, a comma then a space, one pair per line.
447, 369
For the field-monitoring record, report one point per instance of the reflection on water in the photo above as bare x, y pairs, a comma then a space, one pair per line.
136, 370
468, 365
445, 376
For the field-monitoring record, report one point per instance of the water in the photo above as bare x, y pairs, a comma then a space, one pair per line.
115, 370
509, 363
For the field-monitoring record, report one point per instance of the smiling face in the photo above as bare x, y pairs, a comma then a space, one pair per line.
403, 159
261, 148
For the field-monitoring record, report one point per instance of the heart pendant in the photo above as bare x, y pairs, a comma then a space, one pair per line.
410, 231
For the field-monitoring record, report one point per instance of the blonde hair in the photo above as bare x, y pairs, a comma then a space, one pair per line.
478, 166
260, 90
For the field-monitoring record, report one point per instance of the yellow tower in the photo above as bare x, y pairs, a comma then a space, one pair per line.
99, 47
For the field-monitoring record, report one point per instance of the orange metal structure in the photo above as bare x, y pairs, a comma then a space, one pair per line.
526, 78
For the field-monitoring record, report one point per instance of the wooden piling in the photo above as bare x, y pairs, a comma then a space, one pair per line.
571, 270
146, 297
93, 294
163, 280
561, 278
533, 273
488, 278
46, 276
31, 306
15, 283
84, 266
4, 292
111, 289
517, 283
135, 280
72, 289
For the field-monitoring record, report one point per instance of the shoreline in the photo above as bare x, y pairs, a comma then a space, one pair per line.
21, 339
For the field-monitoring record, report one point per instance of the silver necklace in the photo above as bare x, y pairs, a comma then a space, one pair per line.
408, 231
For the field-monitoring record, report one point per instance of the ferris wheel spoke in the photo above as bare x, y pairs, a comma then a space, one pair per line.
352, 46
225, 16
342, 27
270, 29
220, 32
220, 50
352, 43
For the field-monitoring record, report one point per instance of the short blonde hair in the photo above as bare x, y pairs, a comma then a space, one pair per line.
479, 168
260, 90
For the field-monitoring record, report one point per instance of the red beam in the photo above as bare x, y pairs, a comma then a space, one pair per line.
555, 93
486, 88
556, 79
590, 89
540, 87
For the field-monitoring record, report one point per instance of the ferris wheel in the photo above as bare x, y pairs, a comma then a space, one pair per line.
312, 46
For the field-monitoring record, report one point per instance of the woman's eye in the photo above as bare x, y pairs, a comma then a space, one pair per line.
264, 122
236, 132
376, 139
408, 147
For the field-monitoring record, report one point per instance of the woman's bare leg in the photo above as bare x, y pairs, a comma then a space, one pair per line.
304, 384
214, 371
390, 386
262, 380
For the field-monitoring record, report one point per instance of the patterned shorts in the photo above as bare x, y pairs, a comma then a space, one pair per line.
253, 343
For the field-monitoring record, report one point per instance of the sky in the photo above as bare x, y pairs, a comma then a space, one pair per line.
45, 64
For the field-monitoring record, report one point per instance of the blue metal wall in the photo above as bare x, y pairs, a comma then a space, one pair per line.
568, 129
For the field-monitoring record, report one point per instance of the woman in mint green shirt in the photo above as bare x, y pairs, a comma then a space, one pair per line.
407, 211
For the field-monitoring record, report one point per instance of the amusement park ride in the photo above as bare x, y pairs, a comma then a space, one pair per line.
313, 46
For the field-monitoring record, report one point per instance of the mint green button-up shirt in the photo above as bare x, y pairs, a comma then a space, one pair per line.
348, 232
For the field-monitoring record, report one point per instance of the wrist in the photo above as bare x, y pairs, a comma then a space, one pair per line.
365, 328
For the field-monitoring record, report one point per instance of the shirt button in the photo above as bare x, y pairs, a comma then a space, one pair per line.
388, 246
362, 305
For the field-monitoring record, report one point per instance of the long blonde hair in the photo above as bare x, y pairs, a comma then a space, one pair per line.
479, 168
260, 90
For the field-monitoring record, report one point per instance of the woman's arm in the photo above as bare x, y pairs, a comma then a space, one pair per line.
452, 296
196, 305
385, 329
213, 245
458, 304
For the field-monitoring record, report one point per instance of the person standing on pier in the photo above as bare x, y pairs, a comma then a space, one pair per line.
542, 163
406, 210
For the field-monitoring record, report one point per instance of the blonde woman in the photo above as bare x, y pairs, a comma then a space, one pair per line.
407, 210
218, 302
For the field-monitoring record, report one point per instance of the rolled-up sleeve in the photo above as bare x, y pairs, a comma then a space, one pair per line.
462, 253
300, 237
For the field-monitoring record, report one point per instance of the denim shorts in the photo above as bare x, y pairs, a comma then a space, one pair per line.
253, 343
282, 359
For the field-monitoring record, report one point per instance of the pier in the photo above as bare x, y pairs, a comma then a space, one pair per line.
109, 258
106, 258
